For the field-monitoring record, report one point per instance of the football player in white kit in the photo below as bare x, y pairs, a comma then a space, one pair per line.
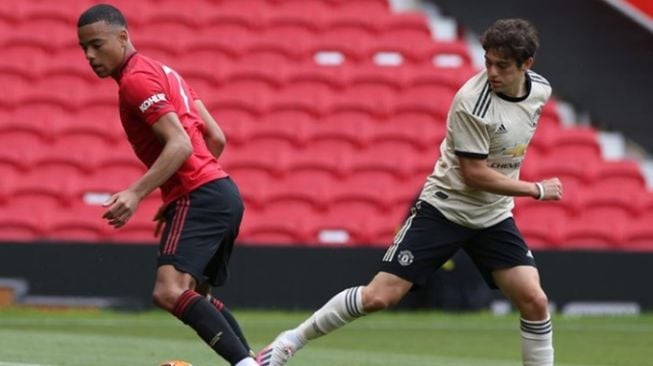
466, 203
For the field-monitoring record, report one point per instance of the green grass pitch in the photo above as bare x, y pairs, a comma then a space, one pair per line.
104, 338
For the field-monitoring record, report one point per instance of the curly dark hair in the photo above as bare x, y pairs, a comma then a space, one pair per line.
512, 38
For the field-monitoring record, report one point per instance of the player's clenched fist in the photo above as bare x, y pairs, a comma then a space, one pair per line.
551, 189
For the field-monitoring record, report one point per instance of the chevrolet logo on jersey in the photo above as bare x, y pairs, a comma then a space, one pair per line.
516, 151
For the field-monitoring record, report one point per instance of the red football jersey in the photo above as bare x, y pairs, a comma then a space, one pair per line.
149, 90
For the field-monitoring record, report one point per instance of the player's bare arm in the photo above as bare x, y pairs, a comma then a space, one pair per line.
177, 148
478, 175
213, 135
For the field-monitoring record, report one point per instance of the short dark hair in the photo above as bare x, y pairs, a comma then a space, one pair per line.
513, 38
102, 12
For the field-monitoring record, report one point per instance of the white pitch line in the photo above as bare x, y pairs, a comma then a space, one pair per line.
2, 363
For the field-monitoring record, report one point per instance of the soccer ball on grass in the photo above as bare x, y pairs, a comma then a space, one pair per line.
175, 363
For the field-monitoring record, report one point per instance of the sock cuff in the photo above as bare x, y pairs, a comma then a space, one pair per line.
217, 303
184, 301
354, 301
537, 327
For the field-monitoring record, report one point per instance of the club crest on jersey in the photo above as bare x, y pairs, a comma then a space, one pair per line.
405, 258
151, 101
536, 116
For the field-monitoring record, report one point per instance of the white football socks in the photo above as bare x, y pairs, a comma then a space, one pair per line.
537, 342
343, 308
247, 362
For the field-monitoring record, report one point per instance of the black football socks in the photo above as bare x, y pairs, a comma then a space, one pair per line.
197, 312
230, 319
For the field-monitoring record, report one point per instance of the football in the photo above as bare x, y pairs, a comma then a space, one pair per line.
175, 363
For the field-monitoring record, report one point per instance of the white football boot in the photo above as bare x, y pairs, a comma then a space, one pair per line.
278, 352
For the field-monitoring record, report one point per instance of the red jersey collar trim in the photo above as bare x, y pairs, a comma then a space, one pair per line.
124, 65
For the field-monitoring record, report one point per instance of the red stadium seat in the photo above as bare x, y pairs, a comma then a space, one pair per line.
21, 223
274, 162
405, 24
424, 131
639, 234
341, 225
579, 142
78, 223
586, 233
343, 127
619, 177
314, 158
372, 8
273, 227
540, 232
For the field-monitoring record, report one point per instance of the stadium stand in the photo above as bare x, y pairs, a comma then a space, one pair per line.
333, 116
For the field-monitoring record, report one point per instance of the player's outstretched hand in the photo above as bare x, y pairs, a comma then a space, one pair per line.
552, 189
121, 207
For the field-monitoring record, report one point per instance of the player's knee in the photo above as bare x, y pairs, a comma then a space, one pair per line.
165, 298
534, 305
376, 301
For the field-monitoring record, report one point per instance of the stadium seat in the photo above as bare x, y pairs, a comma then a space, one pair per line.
250, 81
582, 151
294, 192
341, 225
405, 24
383, 228
314, 88
274, 162
540, 232
343, 127
580, 142
264, 52
619, 177
586, 233
273, 227
428, 100
638, 234
77, 223
415, 128
545, 211
314, 158
453, 78
569, 171
21, 224
341, 53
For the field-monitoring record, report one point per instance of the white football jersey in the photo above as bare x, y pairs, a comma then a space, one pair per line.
484, 124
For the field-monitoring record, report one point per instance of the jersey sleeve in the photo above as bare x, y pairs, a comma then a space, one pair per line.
193, 94
145, 95
469, 135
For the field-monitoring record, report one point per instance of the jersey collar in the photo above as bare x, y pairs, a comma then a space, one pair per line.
124, 65
518, 99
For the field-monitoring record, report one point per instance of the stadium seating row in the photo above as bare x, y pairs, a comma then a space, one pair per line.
195, 11
334, 110
344, 222
318, 183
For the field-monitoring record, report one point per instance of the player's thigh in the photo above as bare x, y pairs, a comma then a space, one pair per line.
385, 289
517, 282
521, 285
499, 247
425, 242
